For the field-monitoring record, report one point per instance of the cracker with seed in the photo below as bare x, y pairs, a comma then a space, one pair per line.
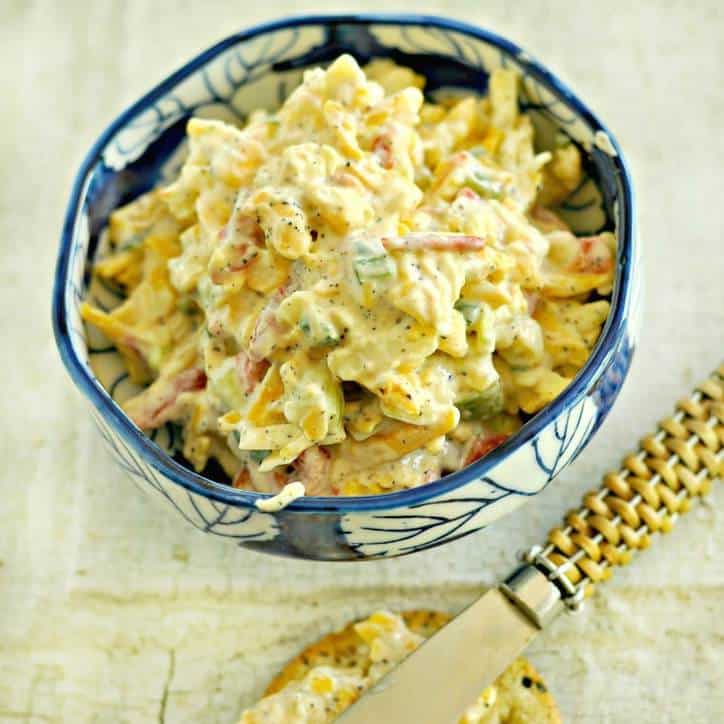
518, 696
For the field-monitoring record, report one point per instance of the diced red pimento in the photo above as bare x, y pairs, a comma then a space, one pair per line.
160, 398
419, 240
545, 220
242, 479
250, 371
242, 237
468, 193
595, 256
483, 445
382, 149
312, 469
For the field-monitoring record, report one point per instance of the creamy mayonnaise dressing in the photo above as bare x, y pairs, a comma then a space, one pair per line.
360, 291
288, 494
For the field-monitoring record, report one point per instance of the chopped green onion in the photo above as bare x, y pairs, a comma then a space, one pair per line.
364, 250
469, 310
373, 267
325, 335
331, 338
482, 405
258, 455
371, 261
484, 186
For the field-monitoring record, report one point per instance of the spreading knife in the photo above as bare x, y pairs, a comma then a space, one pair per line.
672, 467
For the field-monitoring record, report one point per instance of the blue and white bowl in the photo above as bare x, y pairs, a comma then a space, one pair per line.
258, 68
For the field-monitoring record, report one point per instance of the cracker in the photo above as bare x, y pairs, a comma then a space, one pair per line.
521, 697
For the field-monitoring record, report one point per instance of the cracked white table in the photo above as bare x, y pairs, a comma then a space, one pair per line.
113, 612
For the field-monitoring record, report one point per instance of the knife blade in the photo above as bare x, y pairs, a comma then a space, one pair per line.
447, 673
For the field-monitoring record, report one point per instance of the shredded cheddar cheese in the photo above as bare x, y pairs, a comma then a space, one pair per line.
328, 293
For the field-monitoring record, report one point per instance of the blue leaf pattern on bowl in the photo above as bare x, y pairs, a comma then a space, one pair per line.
258, 69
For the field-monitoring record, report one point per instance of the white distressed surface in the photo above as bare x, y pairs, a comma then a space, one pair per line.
110, 612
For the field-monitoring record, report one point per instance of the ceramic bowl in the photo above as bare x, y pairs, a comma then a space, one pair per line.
258, 68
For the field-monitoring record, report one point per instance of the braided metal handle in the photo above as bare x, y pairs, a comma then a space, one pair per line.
646, 495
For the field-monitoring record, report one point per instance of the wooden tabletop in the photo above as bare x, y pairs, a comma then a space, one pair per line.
112, 611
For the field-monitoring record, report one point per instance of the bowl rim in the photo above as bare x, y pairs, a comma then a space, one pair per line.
581, 385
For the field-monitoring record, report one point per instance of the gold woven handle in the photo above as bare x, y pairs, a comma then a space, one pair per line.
652, 488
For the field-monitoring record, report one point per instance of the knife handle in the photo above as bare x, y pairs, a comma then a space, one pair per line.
646, 495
